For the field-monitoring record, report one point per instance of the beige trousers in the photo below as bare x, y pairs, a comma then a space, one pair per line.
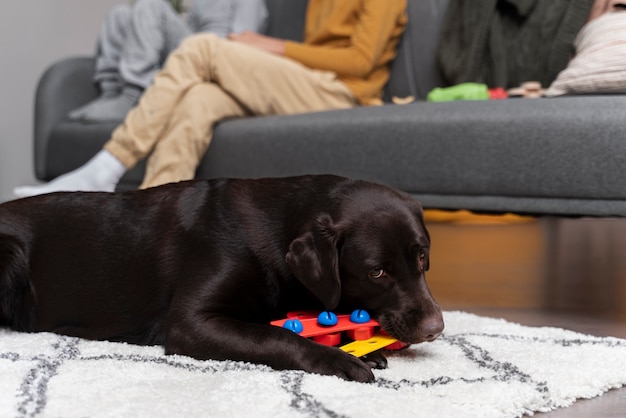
206, 80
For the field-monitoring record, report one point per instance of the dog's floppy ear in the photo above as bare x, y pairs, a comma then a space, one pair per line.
313, 258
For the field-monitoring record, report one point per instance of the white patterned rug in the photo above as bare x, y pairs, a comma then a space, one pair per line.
480, 367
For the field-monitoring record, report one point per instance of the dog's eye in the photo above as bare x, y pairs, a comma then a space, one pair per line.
377, 273
422, 263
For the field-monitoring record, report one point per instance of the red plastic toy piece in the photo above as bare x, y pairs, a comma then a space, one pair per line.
328, 339
362, 333
498, 93
398, 345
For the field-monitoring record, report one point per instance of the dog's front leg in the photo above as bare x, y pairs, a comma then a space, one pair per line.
223, 338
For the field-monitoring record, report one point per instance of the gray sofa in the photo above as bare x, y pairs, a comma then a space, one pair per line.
560, 156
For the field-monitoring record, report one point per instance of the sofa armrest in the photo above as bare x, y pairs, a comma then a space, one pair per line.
65, 85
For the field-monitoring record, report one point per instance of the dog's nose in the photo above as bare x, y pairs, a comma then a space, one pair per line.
432, 328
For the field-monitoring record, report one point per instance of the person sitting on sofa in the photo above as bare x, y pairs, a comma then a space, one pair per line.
343, 62
134, 41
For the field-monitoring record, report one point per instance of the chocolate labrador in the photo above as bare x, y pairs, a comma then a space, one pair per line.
202, 267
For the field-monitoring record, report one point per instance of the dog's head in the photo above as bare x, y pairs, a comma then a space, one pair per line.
371, 253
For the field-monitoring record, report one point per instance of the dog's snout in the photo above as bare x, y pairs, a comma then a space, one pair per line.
432, 327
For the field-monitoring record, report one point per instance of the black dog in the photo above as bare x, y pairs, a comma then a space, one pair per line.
202, 267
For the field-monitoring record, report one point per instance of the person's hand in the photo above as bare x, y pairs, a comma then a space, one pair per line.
266, 43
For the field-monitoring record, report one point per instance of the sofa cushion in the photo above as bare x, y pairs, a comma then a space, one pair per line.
414, 71
484, 154
600, 62
562, 155
286, 19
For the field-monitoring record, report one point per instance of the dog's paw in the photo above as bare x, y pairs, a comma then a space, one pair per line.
335, 362
375, 360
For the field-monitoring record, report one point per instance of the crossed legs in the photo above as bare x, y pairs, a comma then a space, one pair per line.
205, 80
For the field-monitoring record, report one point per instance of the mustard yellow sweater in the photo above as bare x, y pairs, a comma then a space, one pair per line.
356, 39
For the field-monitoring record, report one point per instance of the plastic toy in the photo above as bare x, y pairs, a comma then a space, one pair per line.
359, 316
363, 347
327, 319
529, 90
293, 325
466, 91
326, 328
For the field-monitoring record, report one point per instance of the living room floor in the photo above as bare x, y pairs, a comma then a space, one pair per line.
562, 272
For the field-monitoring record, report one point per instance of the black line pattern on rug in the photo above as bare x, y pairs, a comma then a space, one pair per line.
212, 368
482, 358
503, 371
305, 403
33, 392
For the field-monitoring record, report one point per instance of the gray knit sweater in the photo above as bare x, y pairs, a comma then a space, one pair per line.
504, 43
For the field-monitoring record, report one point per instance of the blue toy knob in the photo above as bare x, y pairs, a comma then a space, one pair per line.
327, 319
294, 325
360, 316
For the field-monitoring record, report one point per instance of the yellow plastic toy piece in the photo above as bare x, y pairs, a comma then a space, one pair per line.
363, 347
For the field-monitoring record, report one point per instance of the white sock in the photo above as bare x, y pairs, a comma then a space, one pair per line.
100, 174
